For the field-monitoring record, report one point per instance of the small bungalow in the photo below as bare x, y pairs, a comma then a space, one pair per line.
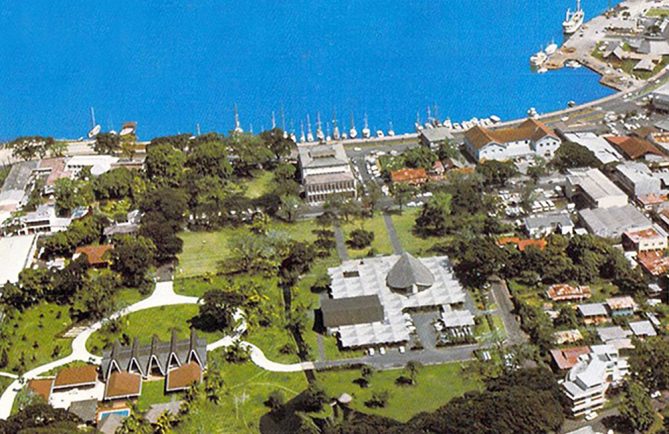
96, 256
41, 387
123, 385
409, 176
567, 336
621, 306
565, 358
566, 292
641, 329
77, 376
593, 313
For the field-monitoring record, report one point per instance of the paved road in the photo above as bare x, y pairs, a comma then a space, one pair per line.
341, 243
502, 298
392, 234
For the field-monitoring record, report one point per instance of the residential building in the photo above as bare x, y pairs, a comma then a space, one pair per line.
566, 358
181, 362
613, 222
371, 298
602, 149
616, 336
660, 98
621, 306
130, 226
531, 137
594, 189
566, 292
655, 263
98, 164
645, 240
638, 180
86, 409
325, 171
75, 377
642, 329
562, 337
588, 380
42, 220
435, 137
541, 225
635, 148
522, 244
14, 193
96, 256
409, 176
593, 313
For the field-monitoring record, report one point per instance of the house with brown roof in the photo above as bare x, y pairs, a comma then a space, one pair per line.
183, 377
566, 358
123, 385
531, 137
41, 387
409, 176
635, 148
96, 256
566, 292
522, 243
75, 376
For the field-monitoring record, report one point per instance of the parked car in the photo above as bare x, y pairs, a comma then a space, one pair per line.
591, 416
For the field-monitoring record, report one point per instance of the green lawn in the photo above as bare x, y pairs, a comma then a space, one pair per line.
404, 224
242, 406
203, 251
36, 333
381, 243
144, 324
436, 385
657, 12
4, 383
261, 183
153, 392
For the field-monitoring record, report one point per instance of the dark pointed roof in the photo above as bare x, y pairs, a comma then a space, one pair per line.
409, 271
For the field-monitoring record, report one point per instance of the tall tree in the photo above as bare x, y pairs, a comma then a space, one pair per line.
164, 165
132, 257
210, 159
637, 407
107, 143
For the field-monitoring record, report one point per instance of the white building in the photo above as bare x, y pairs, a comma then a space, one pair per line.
586, 383
529, 138
645, 240
325, 171
98, 164
613, 222
603, 151
638, 179
372, 299
541, 225
595, 188
16, 253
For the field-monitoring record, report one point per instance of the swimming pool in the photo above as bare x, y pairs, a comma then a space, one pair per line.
124, 412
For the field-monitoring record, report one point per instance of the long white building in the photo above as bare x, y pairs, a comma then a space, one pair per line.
529, 138
593, 186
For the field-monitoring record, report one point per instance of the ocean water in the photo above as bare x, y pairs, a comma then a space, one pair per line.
170, 65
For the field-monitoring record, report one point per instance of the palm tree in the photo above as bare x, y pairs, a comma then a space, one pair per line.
213, 385
164, 422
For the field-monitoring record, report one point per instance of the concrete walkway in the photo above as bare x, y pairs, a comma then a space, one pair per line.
8, 375
341, 243
392, 234
163, 295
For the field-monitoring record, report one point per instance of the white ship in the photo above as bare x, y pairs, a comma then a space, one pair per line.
95, 129
551, 48
573, 20
366, 132
538, 58
352, 133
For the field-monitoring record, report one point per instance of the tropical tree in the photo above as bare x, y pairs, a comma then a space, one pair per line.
637, 406
107, 143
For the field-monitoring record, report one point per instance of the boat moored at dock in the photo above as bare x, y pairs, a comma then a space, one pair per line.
573, 20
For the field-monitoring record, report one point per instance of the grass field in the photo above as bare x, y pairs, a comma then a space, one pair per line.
35, 334
144, 324
404, 224
261, 183
381, 243
657, 12
436, 385
203, 251
153, 392
242, 407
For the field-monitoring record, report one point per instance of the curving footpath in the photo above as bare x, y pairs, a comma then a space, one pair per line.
163, 295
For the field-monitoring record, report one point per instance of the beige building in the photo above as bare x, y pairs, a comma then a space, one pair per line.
325, 171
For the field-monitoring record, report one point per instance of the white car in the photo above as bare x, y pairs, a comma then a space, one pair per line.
591, 416
357, 149
656, 394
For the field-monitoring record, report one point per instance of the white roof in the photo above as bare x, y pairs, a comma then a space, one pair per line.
368, 277
613, 222
603, 151
608, 334
592, 309
99, 164
15, 255
594, 183
642, 328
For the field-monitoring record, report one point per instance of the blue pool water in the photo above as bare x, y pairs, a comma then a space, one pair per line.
171, 64
125, 412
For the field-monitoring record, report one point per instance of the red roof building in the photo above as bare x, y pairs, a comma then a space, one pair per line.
565, 292
97, 256
409, 176
634, 148
522, 243
654, 262
123, 385
41, 387
183, 377
566, 358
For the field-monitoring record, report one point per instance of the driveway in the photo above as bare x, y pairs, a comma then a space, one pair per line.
505, 306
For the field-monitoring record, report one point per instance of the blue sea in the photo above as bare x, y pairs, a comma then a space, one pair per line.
170, 65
